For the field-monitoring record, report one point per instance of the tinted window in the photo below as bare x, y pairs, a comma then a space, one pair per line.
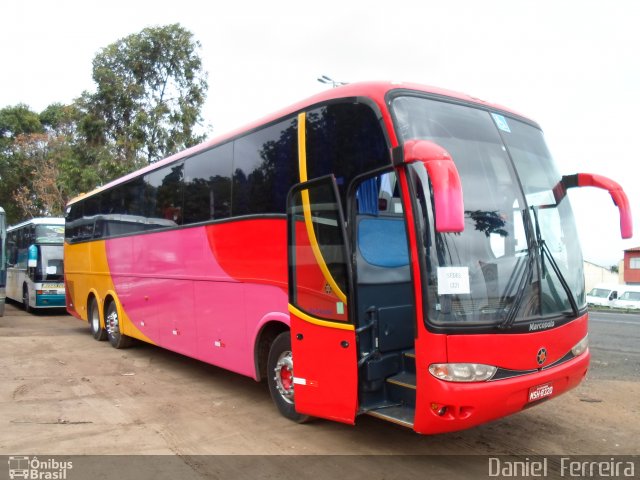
346, 140
133, 197
164, 196
74, 214
91, 208
264, 169
207, 194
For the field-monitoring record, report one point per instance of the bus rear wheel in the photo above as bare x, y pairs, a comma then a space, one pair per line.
96, 329
280, 378
117, 339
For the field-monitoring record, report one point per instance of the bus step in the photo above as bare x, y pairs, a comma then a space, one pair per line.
401, 415
402, 388
409, 360
404, 379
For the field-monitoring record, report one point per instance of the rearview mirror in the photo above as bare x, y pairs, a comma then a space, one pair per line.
445, 180
615, 190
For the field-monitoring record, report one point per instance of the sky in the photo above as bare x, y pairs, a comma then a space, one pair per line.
572, 66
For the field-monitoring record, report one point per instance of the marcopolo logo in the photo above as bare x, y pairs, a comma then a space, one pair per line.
36, 469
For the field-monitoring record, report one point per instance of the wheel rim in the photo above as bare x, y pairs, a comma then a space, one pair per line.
284, 376
113, 325
95, 319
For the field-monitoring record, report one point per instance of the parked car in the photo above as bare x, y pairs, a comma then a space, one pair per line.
630, 299
603, 294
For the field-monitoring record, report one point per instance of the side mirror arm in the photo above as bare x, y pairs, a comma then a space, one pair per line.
615, 190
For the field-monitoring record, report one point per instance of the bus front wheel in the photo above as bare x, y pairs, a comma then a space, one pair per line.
96, 329
25, 298
280, 378
117, 339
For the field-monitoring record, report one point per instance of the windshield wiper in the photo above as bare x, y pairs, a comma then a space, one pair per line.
525, 279
517, 301
554, 265
537, 247
545, 251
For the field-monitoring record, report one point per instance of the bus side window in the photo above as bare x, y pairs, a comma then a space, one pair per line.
345, 139
207, 185
163, 194
264, 168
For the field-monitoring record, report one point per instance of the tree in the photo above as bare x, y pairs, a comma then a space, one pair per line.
150, 90
42, 195
15, 122
44, 161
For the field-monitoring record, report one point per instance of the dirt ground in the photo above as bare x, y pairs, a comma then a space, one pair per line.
63, 393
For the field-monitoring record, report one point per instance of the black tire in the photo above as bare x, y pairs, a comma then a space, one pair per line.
280, 378
95, 325
25, 299
112, 325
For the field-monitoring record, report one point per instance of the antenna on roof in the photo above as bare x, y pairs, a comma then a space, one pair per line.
330, 81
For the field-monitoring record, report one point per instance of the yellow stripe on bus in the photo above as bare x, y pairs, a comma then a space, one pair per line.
306, 208
316, 321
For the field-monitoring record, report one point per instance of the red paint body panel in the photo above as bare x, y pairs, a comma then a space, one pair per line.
251, 250
325, 366
468, 405
516, 351
472, 404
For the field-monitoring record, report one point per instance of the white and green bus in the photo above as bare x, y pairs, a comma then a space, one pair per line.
35, 268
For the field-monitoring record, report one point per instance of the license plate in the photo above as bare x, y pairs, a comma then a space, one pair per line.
540, 391
54, 285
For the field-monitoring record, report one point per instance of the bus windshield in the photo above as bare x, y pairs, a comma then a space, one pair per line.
517, 259
49, 234
50, 264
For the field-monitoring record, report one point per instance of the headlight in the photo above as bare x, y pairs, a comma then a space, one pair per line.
580, 347
462, 372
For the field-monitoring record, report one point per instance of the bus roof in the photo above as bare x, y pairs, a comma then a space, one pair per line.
38, 221
375, 91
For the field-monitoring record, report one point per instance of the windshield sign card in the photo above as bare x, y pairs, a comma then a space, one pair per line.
453, 281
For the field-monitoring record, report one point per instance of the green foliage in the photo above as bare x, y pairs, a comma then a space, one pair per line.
151, 89
15, 123
18, 120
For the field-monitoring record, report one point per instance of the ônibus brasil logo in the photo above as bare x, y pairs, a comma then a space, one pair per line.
35, 469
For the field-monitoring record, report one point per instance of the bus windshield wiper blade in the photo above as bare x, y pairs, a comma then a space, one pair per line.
517, 301
546, 252
532, 252
544, 248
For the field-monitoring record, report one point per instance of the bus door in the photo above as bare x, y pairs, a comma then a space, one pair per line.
323, 337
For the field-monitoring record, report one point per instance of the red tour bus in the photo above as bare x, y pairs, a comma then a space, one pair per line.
381, 248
